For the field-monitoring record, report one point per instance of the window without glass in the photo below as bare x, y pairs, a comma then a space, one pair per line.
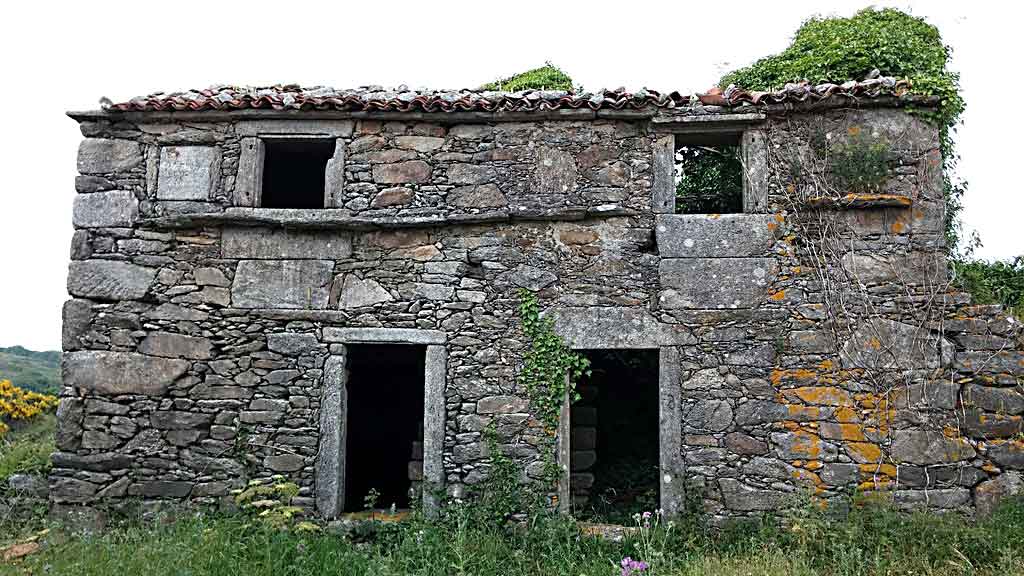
294, 173
709, 173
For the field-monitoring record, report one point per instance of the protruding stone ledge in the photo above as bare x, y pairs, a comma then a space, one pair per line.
384, 335
860, 201
344, 219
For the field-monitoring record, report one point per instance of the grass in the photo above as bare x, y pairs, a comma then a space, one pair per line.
27, 447
869, 540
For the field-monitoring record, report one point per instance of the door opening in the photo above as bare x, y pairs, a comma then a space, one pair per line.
614, 437
384, 425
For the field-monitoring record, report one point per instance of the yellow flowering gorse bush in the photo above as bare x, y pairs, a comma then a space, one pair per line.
18, 404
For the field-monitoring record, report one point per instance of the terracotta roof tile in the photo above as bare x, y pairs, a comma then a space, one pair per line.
402, 99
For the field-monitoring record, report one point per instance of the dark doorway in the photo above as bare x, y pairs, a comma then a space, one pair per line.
294, 172
614, 443
384, 419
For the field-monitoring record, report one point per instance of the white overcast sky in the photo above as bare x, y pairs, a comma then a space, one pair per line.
60, 56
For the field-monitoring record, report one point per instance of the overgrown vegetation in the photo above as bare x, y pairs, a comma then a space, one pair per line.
26, 449
546, 363
710, 180
869, 540
994, 282
31, 370
547, 77
893, 42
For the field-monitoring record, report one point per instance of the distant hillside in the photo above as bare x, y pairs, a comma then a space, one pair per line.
39, 371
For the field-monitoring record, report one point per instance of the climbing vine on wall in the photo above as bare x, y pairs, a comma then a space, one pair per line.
547, 362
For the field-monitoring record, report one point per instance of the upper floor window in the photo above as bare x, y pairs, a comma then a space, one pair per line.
294, 173
709, 174
710, 167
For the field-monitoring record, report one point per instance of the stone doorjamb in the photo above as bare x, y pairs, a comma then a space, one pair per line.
620, 328
330, 461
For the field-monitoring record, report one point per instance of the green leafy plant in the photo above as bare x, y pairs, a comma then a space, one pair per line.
857, 162
994, 282
893, 42
270, 502
550, 368
547, 77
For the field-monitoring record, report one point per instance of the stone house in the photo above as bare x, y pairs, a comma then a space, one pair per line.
324, 284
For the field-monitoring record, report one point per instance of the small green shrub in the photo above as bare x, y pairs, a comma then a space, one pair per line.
858, 164
547, 77
993, 282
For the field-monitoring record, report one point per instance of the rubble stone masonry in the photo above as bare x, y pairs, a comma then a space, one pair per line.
811, 344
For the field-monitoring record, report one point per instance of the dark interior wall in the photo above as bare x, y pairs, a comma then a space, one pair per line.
294, 172
618, 418
384, 424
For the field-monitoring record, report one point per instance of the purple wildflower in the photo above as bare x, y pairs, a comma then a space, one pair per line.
631, 567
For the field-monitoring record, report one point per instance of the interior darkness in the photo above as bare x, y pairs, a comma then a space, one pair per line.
384, 419
293, 173
626, 471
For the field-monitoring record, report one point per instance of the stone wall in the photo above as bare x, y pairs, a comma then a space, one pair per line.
816, 344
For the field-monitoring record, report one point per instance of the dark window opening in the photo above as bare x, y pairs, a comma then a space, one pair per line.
384, 425
709, 174
614, 442
294, 172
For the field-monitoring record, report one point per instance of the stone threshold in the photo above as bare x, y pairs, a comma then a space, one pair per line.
344, 220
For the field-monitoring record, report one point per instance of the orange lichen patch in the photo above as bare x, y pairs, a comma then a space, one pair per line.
853, 130
801, 412
865, 452
806, 444
845, 414
797, 270
878, 470
825, 364
821, 395
778, 296
790, 425
990, 468
875, 485
777, 376
851, 432
813, 465
875, 343
809, 477
951, 432
772, 226
897, 227
780, 218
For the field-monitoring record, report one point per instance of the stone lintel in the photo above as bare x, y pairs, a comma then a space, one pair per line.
618, 327
384, 336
